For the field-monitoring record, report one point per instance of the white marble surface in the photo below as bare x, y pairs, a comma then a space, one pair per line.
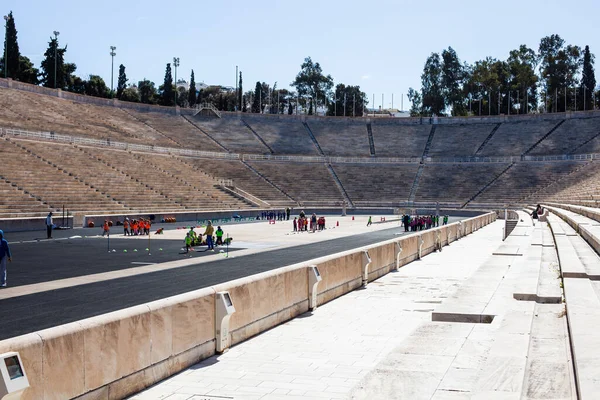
335, 351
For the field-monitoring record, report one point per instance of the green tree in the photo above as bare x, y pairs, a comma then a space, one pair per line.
453, 76
239, 93
416, 108
256, 103
78, 85
131, 94
559, 64
64, 71
349, 99
182, 97
310, 81
11, 67
167, 97
588, 81
121, 82
488, 81
432, 89
192, 91
27, 72
148, 92
522, 63
53, 56
95, 86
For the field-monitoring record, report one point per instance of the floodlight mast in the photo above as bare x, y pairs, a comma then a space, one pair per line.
176, 64
56, 33
112, 67
6, 47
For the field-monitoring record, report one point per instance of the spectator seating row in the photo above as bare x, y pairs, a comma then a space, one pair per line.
524, 179
241, 177
582, 187
51, 184
394, 140
376, 184
307, 183
573, 136
455, 182
283, 135
90, 179
459, 140
231, 133
505, 327
580, 269
341, 137
516, 138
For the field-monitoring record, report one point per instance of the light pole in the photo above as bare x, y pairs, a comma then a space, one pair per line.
6, 47
56, 33
176, 64
112, 67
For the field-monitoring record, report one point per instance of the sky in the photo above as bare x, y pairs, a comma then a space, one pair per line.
381, 46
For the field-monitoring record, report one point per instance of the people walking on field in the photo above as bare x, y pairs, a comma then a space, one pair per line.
105, 228
209, 236
49, 225
219, 234
295, 222
4, 257
188, 242
126, 227
370, 221
406, 222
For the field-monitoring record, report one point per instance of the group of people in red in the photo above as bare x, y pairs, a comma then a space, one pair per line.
303, 223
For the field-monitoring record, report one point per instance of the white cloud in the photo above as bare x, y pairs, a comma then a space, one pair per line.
365, 77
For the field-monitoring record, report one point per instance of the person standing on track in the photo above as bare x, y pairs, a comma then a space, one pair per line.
370, 221
209, 238
126, 227
4, 256
49, 225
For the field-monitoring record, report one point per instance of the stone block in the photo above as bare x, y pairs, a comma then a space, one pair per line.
63, 366
30, 349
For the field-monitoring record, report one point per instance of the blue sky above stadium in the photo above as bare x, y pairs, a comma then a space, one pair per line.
380, 46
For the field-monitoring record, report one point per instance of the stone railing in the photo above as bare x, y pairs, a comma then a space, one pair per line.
306, 159
120, 353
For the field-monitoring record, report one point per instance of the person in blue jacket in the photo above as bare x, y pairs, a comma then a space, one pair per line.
4, 256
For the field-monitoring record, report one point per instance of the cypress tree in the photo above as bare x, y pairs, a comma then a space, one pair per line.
244, 106
168, 95
192, 91
122, 81
48, 66
10, 68
256, 102
588, 80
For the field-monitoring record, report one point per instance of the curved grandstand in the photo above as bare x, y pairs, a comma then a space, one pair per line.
97, 156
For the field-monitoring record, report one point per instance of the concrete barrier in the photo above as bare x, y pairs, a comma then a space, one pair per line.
117, 354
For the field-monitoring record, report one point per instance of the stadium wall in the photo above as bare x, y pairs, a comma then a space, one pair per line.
117, 354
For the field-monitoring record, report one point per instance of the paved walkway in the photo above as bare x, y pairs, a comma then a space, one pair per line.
331, 353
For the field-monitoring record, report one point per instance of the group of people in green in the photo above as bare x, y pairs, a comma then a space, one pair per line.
207, 238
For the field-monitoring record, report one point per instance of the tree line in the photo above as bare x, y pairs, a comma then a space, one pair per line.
314, 89
558, 77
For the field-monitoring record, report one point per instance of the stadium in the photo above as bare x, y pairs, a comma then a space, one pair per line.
455, 257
